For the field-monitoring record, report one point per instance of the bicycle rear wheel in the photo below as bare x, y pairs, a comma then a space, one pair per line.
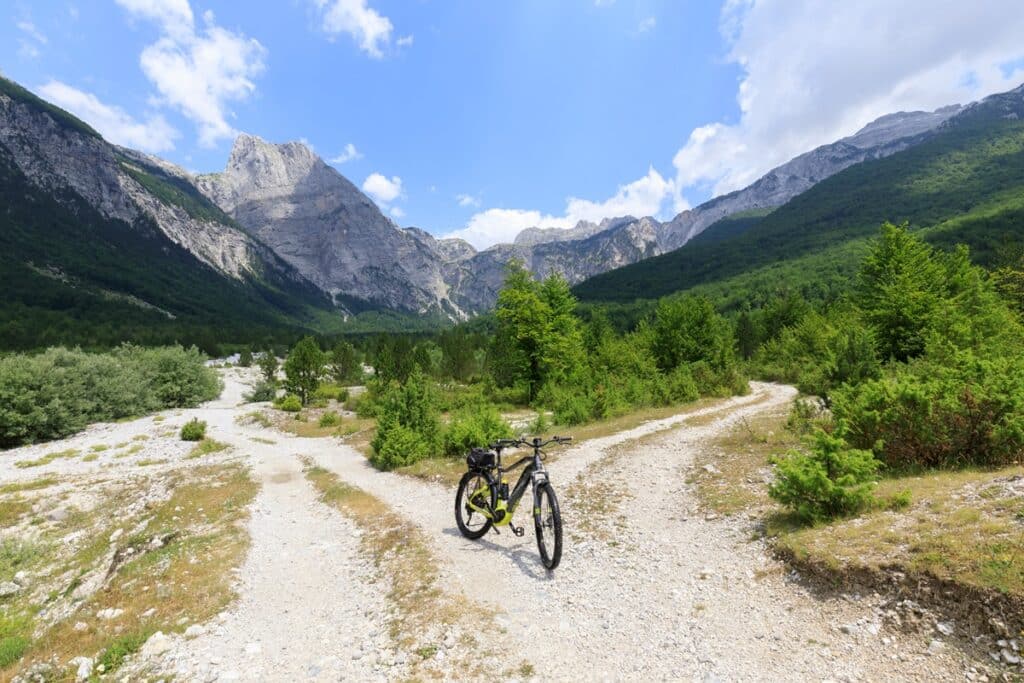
548, 521
474, 487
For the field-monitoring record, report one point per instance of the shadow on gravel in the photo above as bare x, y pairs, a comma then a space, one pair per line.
527, 561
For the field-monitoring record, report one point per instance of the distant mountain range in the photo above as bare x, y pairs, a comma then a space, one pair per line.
281, 239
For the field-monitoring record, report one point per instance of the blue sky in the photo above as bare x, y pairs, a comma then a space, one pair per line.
482, 118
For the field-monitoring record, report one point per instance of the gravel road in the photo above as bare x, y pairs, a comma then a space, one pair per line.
649, 587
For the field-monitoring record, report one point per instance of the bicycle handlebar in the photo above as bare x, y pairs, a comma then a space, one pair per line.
531, 443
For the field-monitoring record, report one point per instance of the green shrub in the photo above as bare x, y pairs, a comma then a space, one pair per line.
263, 391
476, 424
290, 403
119, 650
245, 359
12, 648
59, 392
401, 446
681, 386
329, 419
407, 418
949, 409
570, 407
329, 392
831, 480
193, 430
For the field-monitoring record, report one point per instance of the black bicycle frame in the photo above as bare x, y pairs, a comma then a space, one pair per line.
525, 478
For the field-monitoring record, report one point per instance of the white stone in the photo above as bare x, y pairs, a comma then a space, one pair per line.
83, 668
195, 630
156, 645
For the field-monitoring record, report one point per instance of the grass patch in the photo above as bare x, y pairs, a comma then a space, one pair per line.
12, 509
146, 462
100, 447
423, 611
33, 485
140, 437
91, 457
730, 473
185, 576
136, 448
260, 439
17, 554
47, 459
254, 417
206, 447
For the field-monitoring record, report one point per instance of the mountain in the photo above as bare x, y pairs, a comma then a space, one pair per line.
325, 227
962, 182
99, 243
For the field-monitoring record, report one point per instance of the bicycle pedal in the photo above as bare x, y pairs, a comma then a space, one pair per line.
518, 530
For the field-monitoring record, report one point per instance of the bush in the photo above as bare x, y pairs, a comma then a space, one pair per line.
407, 418
193, 430
262, 392
290, 404
330, 419
401, 446
570, 407
328, 392
949, 409
245, 359
476, 424
831, 480
681, 386
59, 392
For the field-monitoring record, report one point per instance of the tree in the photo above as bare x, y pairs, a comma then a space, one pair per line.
900, 287
304, 368
687, 330
245, 358
268, 366
746, 335
537, 333
344, 362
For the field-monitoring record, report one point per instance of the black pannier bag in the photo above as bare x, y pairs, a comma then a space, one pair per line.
480, 459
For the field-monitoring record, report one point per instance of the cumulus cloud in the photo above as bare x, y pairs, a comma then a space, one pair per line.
382, 189
33, 39
350, 153
646, 25
199, 72
814, 72
29, 29
368, 27
397, 212
404, 41
467, 200
152, 135
643, 197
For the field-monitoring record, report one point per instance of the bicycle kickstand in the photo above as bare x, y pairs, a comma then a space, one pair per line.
517, 530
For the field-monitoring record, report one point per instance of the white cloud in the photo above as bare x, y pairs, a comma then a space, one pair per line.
198, 72
404, 41
643, 197
383, 190
27, 49
29, 29
350, 153
467, 200
646, 25
152, 135
814, 72
397, 212
370, 29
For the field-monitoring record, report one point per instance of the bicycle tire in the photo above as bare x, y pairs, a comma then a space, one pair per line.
460, 506
549, 557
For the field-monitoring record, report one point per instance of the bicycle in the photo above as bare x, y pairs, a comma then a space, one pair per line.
483, 501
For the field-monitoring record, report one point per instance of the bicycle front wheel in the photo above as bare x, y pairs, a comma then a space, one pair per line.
548, 522
476, 489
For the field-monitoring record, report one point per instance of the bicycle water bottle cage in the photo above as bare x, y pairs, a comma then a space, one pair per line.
480, 459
